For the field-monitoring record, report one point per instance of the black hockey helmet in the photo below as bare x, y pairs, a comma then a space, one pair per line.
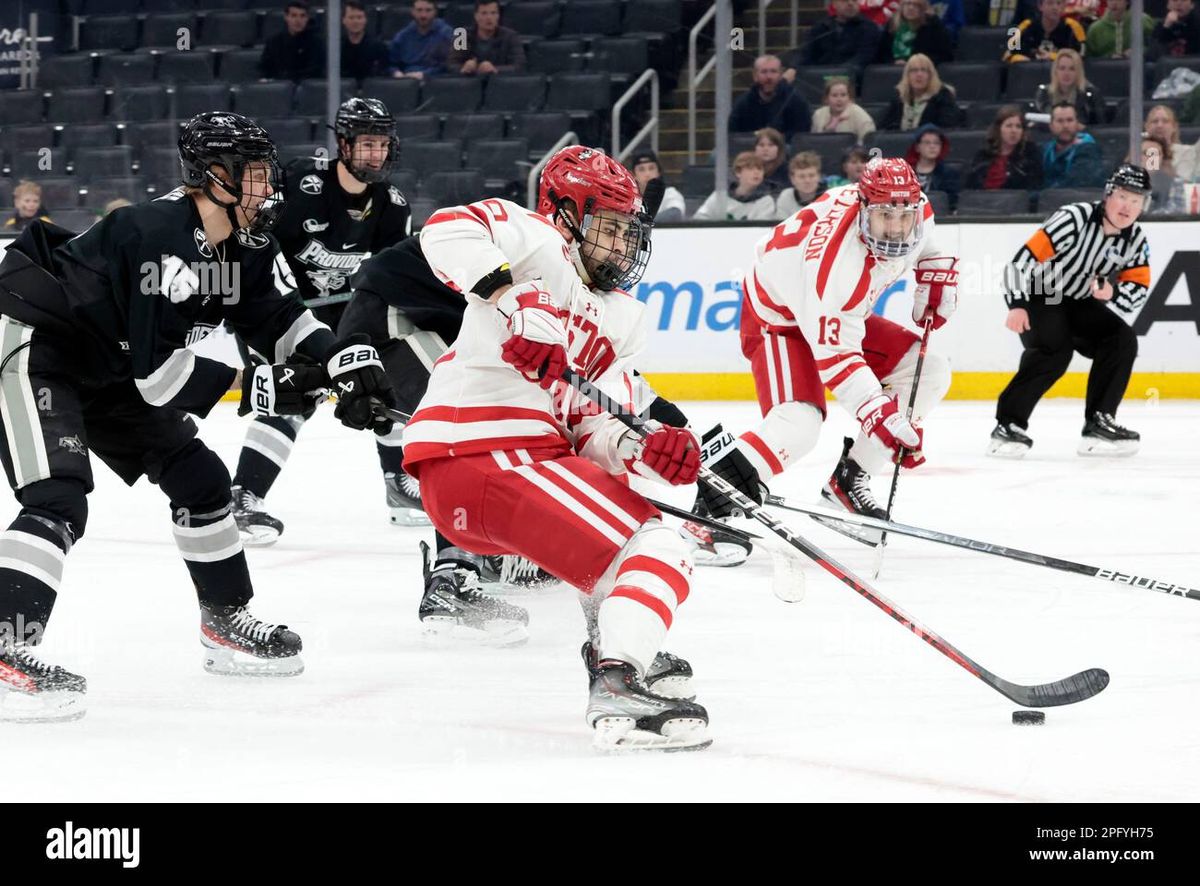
231, 141
365, 116
1130, 177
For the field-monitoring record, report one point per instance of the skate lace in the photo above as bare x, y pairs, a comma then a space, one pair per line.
28, 662
514, 569
246, 500
410, 485
252, 627
860, 489
1107, 419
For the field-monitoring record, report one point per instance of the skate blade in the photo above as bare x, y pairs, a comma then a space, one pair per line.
409, 517
618, 735
259, 537
41, 707
1007, 449
230, 663
494, 633
679, 688
1096, 448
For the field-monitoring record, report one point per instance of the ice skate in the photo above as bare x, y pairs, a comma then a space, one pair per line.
34, 692
236, 644
454, 605
628, 717
849, 489
512, 574
1102, 436
1009, 441
404, 500
668, 675
256, 527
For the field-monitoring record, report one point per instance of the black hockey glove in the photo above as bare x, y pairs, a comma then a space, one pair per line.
292, 388
357, 377
718, 454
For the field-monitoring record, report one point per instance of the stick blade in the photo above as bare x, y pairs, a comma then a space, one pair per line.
1070, 690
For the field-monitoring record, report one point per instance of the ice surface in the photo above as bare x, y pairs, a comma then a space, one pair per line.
827, 699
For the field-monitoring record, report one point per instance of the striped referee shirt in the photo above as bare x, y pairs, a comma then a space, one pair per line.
1069, 251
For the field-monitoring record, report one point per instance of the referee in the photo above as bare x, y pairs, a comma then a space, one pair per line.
1058, 289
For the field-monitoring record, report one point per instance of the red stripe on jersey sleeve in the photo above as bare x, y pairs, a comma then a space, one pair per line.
481, 215
756, 442
845, 374
464, 414
447, 215
768, 302
829, 362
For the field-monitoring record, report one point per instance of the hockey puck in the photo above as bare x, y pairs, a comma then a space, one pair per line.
1029, 718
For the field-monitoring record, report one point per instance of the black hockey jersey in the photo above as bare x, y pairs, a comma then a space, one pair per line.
399, 281
143, 283
326, 233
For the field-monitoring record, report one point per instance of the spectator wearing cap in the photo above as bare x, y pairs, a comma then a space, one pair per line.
1043, 35
748, 198
927, 156
645, 166
490, 47
362, 55
27, 206
915, 28
421, 47
770, 102
297, 53
840, 113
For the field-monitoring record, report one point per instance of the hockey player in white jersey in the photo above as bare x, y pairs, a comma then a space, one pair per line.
807, 326
511, 460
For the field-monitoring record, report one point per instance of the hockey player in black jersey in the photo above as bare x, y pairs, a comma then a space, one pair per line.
94, 359
336, 214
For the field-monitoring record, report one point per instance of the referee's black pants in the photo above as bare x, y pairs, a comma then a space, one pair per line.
1056, 332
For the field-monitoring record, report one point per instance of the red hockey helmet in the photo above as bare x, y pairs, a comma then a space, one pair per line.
893, 207
610, 224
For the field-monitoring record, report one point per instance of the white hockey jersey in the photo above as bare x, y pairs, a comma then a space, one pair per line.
475, 401
815, 273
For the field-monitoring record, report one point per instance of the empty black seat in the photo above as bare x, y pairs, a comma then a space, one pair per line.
1052, 198
541, 130
697, 181
61, 71
879, 83
230, 29
126, 69
1024, 78
829, 145
431, 156
556, 56
311, 96
138, 103
426, 126
149, 135
101, 7
77, 220
196, 66
14, 139
500, 160
162, 31
973, 82
240, 66
966, 143
539, 18
187, 5
87, 135
290, 130
579, 92
159, 167
620, 55
22, 106
84, 104
58, 192
453, 188
890, 144
405, 180
653, 17
422, 208
37, 162
471, 127
102, 191
993, 202
452, 96
113, 162
981, 114
593, 18
400, 96
515, 92
939, 202
976, 44
109, 32
195, 98
273, 99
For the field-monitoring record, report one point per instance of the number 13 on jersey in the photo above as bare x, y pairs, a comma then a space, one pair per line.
830, 333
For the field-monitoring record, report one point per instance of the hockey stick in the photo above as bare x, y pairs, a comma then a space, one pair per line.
908, 414
1069, 690
985, 547
379, 408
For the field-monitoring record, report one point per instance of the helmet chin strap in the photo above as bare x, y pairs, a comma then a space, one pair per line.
576, 243
230, 208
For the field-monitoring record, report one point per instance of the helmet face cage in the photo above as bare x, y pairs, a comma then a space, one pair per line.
358, 117
885, 247
269, 191
609, 267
